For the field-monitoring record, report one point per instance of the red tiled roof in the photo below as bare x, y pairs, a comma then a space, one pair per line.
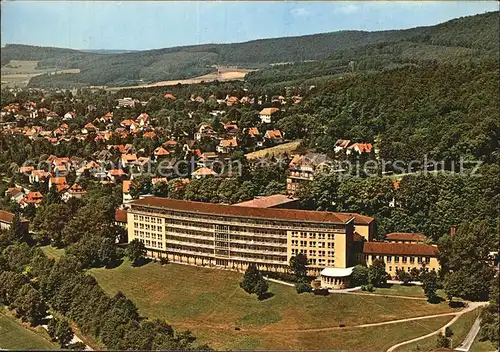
399, 248
120, 215
269, 111
244, 212
404, 236
267, 202
5, 216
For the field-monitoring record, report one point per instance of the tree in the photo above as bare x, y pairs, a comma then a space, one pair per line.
135, 251
377, 274
30, 305
107, 252
430, 285
63, 333
465, 260
18, 229
490, 317
298, 265
403, 276
442, 341
10, 284
253, 282
360, 275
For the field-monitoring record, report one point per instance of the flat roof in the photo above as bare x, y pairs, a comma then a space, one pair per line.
336, 272
244, 212
267, 202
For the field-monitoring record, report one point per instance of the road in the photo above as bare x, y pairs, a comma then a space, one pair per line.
470, 307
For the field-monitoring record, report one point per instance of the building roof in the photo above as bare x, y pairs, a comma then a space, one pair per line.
267, 202
268, 111
404, 236
337, 272
244, 212
399, 248
361, 219
126, 186
120, 215
204, 171
5, 216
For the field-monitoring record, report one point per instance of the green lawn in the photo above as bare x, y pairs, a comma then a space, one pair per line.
52, 252
482, 346
14, 335
403, 290
210, 303
460, 329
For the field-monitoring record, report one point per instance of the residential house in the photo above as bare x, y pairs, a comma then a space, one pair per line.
205, 130
143, 119
59, 183
89, 128
265, 114
275, 136
227, 145
75, 191
7, 218
302, 169
116, 175
169, 96
341, 145
203, 172
69, 115
359, 148
33, 197
160, 152
126, 197
128, 159
15, 193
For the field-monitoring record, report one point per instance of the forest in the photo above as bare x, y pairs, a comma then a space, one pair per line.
463, 38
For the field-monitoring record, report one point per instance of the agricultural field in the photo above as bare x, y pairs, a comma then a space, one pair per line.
17, 73
275, 151
210, 303
237, 74
15, 336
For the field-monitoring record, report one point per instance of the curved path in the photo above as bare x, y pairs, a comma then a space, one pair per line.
470, 307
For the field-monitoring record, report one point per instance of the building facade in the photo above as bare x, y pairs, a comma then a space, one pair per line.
234, 236
401, 256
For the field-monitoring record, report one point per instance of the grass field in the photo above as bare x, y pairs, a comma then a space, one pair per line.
460, 330
403, 290
210, 303
52, 252
15, 336
482, 346
18, 72
276, 151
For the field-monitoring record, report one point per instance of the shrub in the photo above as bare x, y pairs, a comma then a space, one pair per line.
302, 287
163, 261
322, 292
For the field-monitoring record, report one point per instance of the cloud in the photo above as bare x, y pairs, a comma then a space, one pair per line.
347, 9
300, 12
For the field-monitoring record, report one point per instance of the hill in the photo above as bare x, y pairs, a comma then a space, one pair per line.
468, 37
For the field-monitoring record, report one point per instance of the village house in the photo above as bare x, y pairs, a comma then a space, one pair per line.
341, 145
69, 115
116, 175
203, 172
265, 114
126, 197
33, 197
75, 191
7, 218
275, 136
227, 145
359, 148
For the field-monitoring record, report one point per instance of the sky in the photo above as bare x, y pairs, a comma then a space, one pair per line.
139, 25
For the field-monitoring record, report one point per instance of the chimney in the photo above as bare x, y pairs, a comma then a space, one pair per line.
453, 229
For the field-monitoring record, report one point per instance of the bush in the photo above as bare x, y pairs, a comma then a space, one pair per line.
359, 275
163, 261
322, 292
368, 288
302, 287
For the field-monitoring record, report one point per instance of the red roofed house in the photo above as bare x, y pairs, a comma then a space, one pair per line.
75, 191
169, 96
160, 151
227, 145
265, 114
359, 148
401, 256
143, 119
116, 175
121, 217
341, 145
33, 197
126, 197
203, 172
149, 134
274, 135
6, 219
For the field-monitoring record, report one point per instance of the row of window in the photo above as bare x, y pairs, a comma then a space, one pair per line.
313, 235
408, 268
144, 234
150, 219
320, 261
295, 243
148, 227
151, 244
404, 259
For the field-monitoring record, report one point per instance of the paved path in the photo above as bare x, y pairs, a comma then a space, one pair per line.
471, 336
382, 295
470, 307
75, 338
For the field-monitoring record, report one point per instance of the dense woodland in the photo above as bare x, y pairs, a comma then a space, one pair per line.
464, 38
